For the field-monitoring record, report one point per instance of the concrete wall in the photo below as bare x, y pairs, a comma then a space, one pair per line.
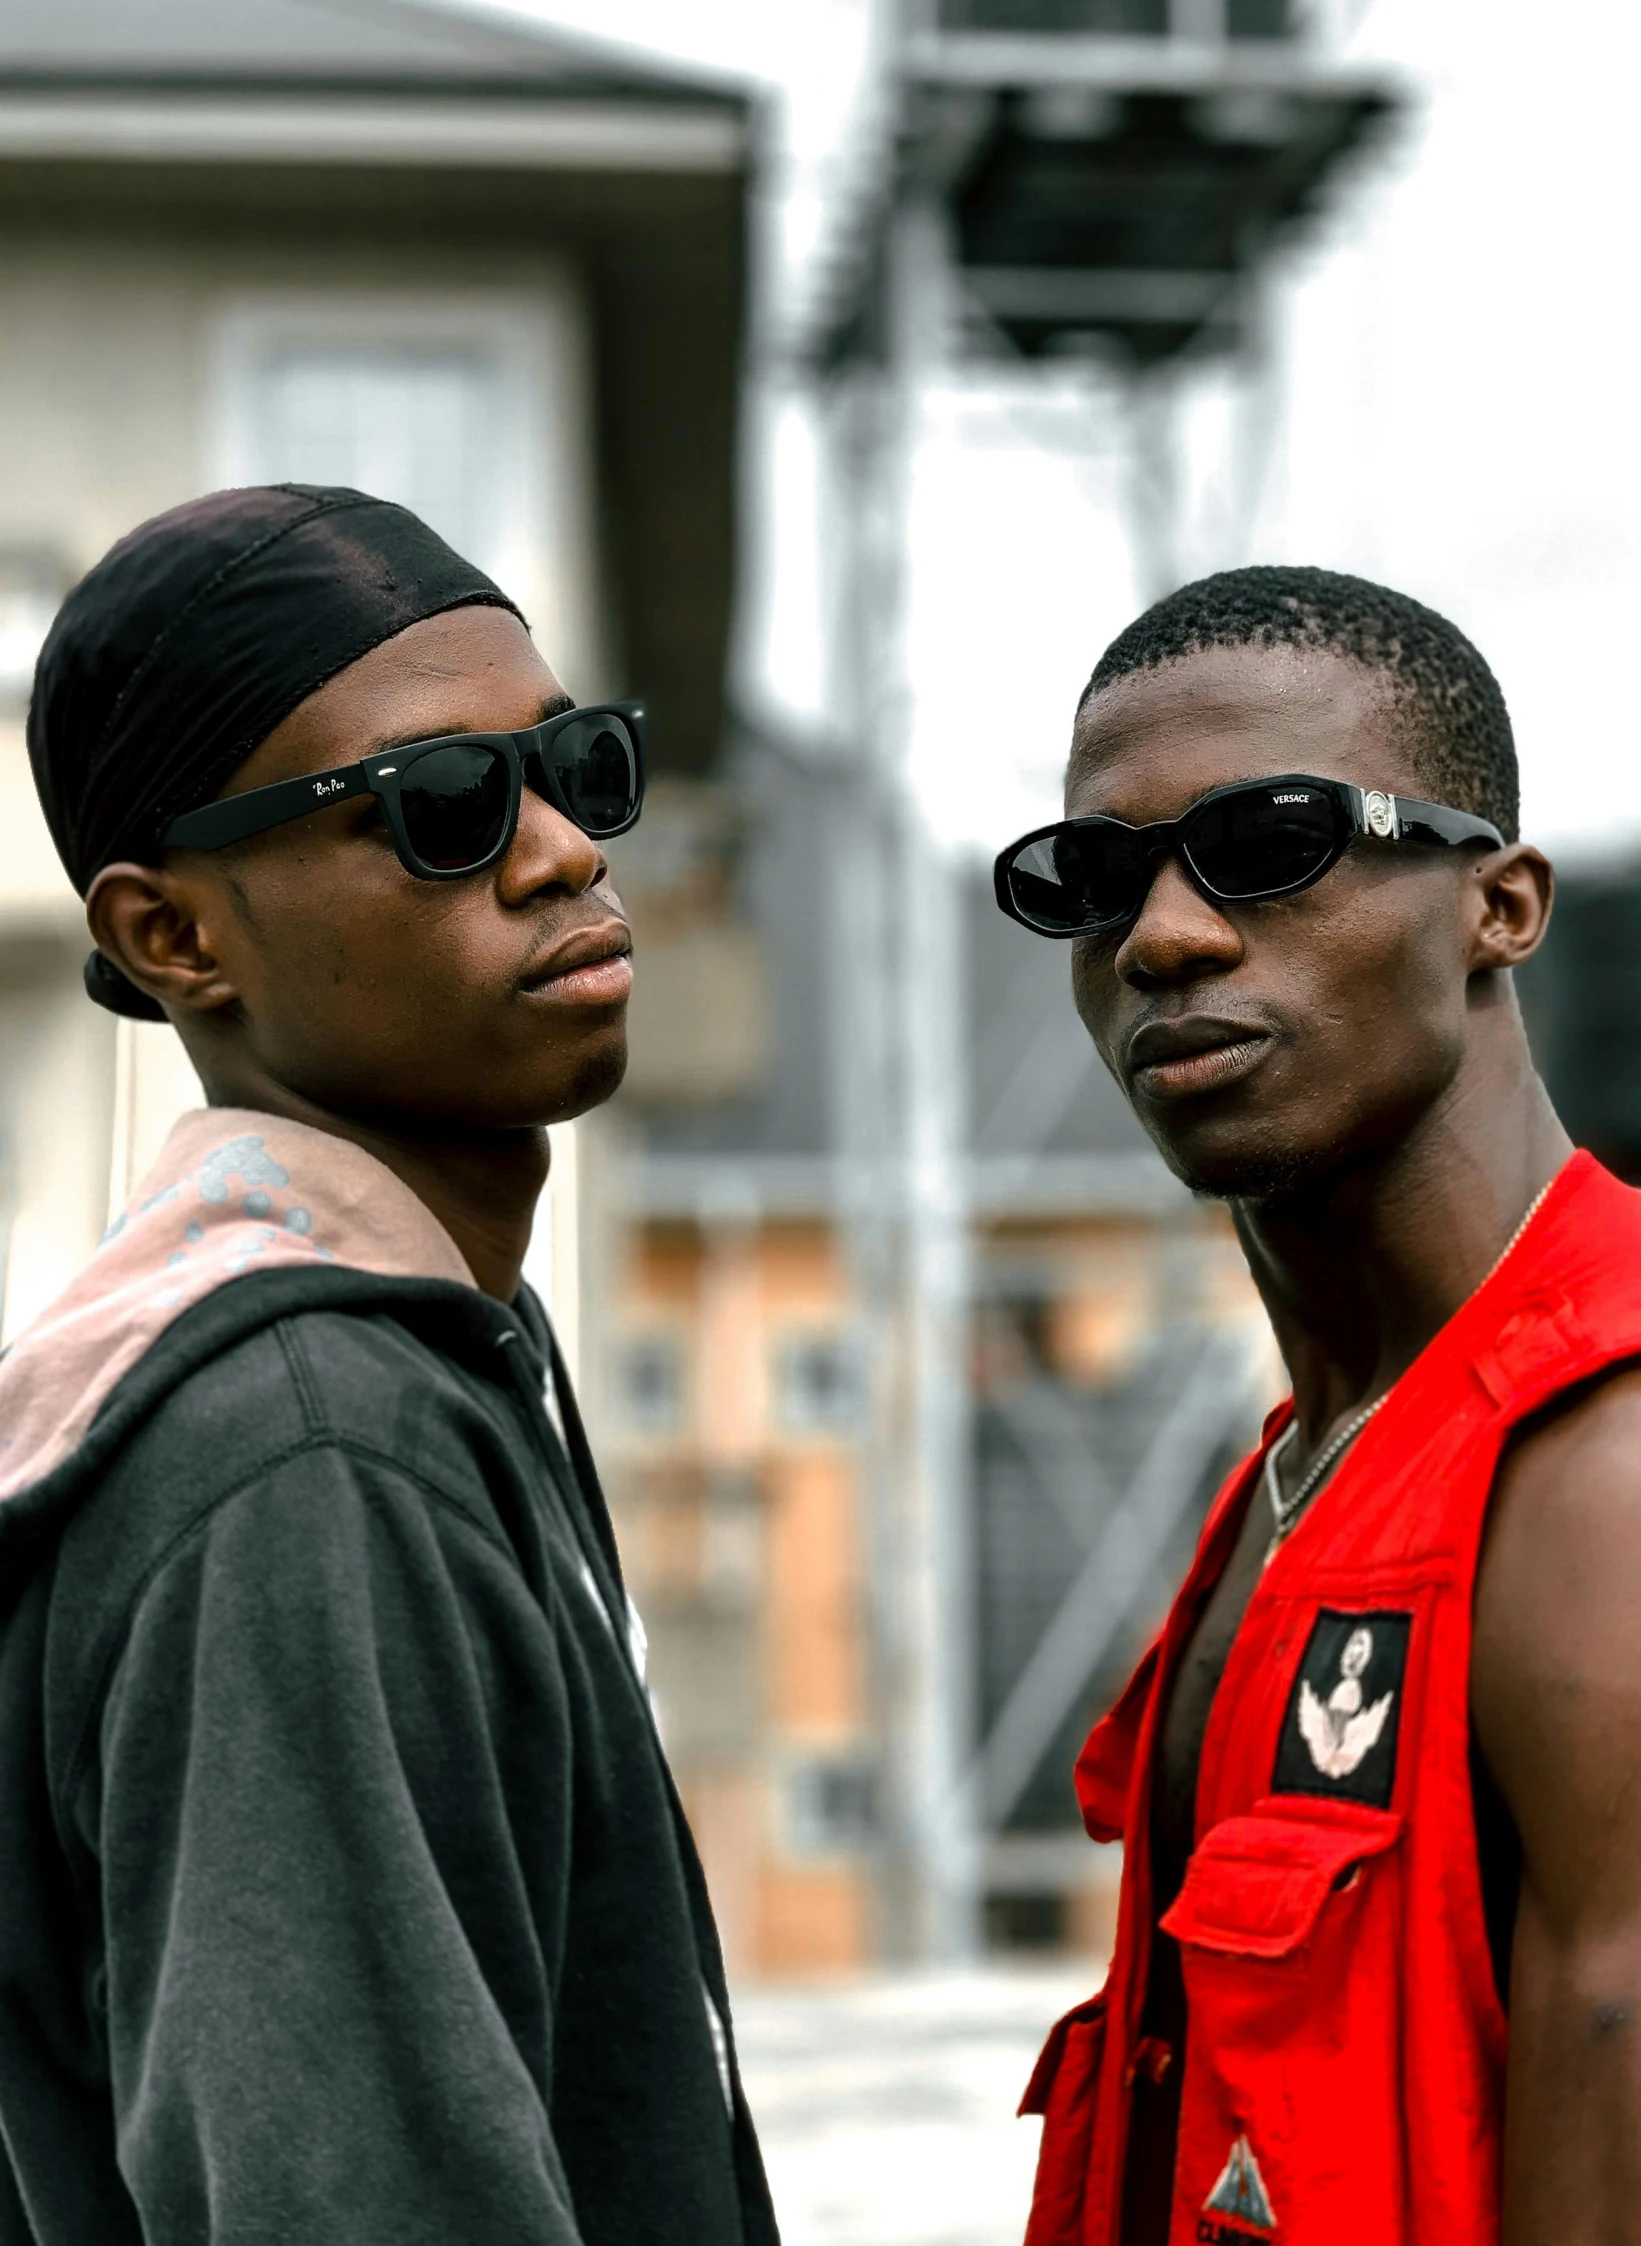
114, 352
56, 1108
117, 348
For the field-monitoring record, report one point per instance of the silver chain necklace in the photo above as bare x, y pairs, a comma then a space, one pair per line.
1286, 1510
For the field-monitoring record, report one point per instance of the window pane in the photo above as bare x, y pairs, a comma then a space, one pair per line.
651, 1379
416, 426
818, 1385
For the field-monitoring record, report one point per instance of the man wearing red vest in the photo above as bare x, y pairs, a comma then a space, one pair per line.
1378, 1965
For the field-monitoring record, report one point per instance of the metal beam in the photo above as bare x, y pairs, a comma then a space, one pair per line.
1039, 1088
1101, 1598
1135, 65
1065, 295
1065, 1185
1052, 1439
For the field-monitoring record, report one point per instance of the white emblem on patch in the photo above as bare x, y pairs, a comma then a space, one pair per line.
1241, 2191
1340, 1731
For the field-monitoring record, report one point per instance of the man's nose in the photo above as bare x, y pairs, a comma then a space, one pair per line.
549, 851
1179, 934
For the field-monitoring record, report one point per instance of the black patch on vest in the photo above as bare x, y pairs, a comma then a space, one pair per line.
1345, 1710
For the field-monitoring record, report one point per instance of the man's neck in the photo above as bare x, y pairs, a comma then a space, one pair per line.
1361, 1270
482, 1186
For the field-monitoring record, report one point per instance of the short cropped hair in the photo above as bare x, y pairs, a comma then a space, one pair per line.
1456, 725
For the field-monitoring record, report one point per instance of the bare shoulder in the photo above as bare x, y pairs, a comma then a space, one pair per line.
1556, 1666
1564, 1529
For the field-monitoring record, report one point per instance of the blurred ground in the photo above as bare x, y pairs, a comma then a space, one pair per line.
886, 2107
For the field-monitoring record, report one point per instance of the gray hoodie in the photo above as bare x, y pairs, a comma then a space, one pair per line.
344, 1893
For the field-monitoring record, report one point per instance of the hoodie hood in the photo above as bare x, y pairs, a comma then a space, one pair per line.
234, 1193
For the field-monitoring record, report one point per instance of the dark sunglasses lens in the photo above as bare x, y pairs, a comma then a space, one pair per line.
1259, 841
1078, 879
597, 767
454, 804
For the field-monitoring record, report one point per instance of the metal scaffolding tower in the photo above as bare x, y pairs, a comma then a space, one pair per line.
1106, 177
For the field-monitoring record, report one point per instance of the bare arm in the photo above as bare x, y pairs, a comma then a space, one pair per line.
1556, 1693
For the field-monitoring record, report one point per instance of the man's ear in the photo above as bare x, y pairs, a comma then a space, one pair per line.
147, 921
1514, 893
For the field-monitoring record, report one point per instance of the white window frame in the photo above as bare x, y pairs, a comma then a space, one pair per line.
543, 551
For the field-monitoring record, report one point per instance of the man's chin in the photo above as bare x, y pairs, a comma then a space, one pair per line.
1247, 1172
595, 1080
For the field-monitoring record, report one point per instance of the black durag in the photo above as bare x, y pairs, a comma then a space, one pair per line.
193, 638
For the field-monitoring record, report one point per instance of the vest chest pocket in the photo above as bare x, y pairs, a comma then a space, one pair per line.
1289, 1926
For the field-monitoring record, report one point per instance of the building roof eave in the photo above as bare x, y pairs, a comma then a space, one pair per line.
500, 130
451, 48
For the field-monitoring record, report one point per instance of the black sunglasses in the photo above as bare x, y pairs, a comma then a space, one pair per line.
452, 804
1242, 843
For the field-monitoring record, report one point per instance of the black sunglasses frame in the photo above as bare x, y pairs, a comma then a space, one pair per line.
1372, 814
527, 756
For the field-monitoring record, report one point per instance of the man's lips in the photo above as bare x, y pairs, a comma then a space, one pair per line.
591, 968
1201, 1053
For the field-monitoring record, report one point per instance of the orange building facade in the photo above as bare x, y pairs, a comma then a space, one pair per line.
733, 1461
735, 1445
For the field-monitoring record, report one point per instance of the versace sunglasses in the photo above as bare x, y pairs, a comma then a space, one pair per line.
1240, 844
452, 804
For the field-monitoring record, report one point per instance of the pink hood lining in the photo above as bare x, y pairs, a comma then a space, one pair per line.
233, 1192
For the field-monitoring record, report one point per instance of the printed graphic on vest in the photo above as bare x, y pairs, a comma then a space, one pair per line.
1339, 1734
1241, 2197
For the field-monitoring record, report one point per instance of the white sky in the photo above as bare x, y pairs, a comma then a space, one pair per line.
1452, 409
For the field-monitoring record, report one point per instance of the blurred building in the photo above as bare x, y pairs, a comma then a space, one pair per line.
1117, 1359
1581, 997
911, 1367
1060, 1352
486, 272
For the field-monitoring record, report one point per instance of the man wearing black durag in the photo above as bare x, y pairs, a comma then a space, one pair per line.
345, 1899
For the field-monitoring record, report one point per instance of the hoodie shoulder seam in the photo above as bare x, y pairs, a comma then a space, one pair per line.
307, 1394
188, 1532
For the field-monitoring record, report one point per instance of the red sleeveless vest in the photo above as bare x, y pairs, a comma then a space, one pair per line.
1344, 2061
